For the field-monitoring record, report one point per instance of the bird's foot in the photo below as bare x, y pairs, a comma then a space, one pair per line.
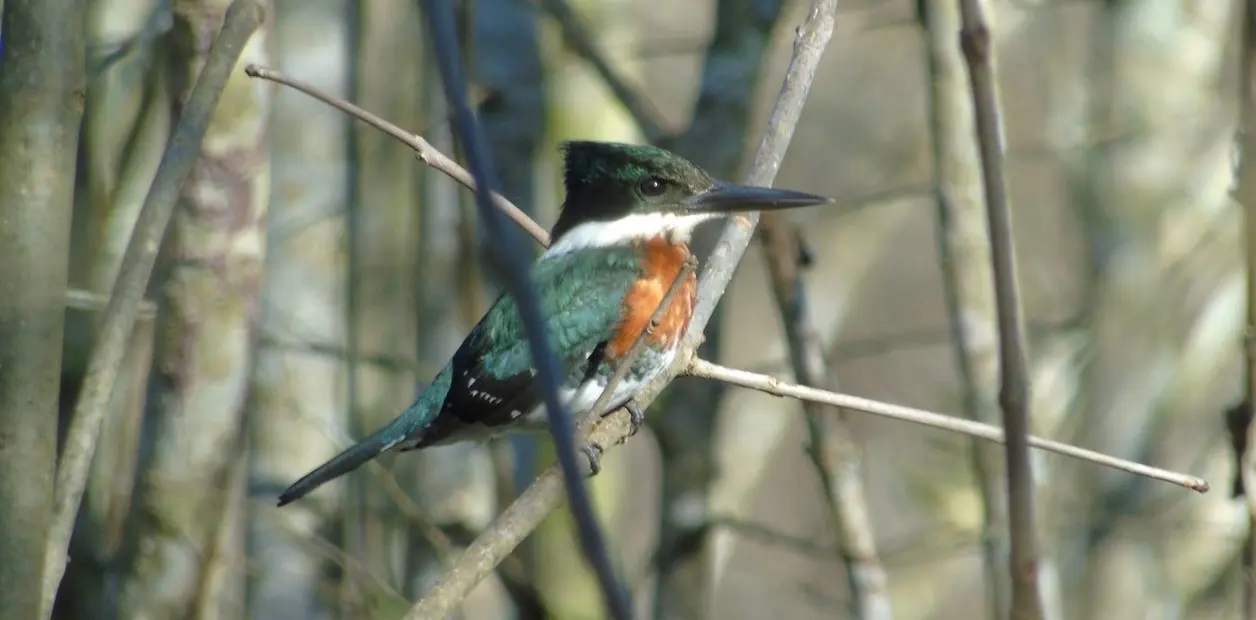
593, 453
636, 417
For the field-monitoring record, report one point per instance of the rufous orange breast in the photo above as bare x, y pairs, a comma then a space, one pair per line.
662, 260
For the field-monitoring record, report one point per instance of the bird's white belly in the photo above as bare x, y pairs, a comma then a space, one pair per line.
578, 400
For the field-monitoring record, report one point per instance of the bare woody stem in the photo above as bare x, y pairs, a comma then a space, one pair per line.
771, 385
422, 149
975, 40
241, 19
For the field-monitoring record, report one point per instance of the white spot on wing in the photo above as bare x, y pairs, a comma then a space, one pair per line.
625, 229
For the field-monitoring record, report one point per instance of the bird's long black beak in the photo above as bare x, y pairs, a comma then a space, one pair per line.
731, 198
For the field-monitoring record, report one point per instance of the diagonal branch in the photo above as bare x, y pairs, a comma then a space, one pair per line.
534, 504
512, 262
643, 112
964, 249
422, 149
954, 424
976, 42
242, 18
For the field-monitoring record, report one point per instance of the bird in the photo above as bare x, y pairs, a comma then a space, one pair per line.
620, 240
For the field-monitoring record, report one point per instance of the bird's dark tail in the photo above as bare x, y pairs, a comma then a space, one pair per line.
380, 442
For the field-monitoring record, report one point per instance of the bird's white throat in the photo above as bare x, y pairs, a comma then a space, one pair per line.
677, 227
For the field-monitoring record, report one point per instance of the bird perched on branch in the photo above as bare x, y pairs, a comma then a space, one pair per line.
619, 243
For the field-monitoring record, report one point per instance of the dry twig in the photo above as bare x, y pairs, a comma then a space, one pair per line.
242, 18
963, 243
977, 44
954, 424
422, 149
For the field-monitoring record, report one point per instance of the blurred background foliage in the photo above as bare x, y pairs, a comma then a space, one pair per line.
316, 275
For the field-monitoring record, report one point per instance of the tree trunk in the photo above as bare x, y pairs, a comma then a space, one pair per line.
41, 103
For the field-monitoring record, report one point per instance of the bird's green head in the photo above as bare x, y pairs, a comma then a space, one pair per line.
620, 193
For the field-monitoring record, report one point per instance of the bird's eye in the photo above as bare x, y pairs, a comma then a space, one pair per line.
653, 186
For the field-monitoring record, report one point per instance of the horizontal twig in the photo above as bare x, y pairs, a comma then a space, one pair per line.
772, 385
90, 301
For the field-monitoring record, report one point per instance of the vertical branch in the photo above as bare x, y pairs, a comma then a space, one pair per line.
204, 342
41, 103
831, 447
511, 257
242, 17
975, 41
963, 240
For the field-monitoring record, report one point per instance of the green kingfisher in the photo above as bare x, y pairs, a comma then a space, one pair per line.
621, 239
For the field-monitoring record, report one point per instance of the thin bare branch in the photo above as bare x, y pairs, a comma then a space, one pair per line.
776, 387
242, 18
977, 44
965, 259
422, 149
512, 263
643, 112
534, 504
42, 85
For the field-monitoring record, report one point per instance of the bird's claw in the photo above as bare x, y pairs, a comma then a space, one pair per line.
593, 453
636, 417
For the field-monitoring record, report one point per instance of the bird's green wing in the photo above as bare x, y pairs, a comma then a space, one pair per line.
492, 374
